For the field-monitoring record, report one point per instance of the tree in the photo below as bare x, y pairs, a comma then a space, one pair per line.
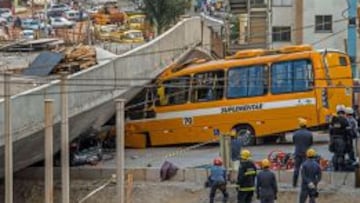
163, 13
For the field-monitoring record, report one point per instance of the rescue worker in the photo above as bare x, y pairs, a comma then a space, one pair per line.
266, 185
303, 139
246, 178
235, 149
311, 176
352, 134
339, 126
217, 180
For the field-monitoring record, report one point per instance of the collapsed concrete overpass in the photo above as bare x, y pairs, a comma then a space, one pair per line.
92, 91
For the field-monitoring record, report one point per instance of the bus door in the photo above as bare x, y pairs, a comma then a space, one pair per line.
292, 87
339, 76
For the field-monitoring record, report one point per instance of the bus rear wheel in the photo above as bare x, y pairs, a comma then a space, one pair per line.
246, 134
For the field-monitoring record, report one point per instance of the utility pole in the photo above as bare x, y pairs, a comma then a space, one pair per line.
65, 177
8, 141
120, 150
351, 50
16, 3
351, 45
49, 185
118, 4
225, 149
46, 19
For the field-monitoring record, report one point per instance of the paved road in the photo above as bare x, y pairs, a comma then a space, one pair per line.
204, 155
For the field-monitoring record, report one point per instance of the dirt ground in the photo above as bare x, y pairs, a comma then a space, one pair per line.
165, 192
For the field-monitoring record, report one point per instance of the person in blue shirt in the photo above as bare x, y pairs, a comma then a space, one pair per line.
217, 180
266, 184
303, 140
311, 176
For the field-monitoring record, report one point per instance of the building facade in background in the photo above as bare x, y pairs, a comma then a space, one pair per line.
322, 23
275, 23
5, 3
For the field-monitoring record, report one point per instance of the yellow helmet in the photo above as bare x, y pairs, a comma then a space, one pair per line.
233, 133
310, 153
302, 122
245, 154
265, 163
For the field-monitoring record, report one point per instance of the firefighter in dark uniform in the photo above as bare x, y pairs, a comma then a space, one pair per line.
217, 180
353, 125
339, 132
303, 139
311, 176
266, 185
246, 178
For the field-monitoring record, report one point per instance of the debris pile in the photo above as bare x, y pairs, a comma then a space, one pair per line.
76, 58
71, 60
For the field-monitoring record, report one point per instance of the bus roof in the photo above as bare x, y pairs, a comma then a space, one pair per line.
225, 63
246, 58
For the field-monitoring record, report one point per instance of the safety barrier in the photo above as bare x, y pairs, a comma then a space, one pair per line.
194, 175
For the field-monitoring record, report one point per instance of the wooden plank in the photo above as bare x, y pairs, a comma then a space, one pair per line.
129, 188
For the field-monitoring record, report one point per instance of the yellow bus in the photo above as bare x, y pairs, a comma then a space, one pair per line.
260, 93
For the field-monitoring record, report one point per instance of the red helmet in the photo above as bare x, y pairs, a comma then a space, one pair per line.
217, 161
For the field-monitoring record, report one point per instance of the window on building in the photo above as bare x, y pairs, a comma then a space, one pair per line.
291, 76
282, 2
208, 86
257, 2
174, 91
281, 34
247, 81
323, 23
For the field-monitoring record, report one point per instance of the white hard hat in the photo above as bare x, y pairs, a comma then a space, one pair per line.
349, 110
340, 108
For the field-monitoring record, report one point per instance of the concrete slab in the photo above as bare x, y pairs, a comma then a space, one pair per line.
201, 176
343, 179
189, 175
152, 174
180, 176
285, 176
138, 174
326, 178
197, 176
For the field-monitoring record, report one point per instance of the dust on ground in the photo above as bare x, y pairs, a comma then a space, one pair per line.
160, 192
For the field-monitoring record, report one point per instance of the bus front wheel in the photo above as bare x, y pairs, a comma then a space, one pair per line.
246, 134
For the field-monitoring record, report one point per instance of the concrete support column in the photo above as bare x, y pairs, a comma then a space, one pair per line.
49, 186
120, 150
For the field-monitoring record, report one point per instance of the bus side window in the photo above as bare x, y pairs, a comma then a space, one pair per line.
175, 91
291, 76
247, 81
208, 86
161, 95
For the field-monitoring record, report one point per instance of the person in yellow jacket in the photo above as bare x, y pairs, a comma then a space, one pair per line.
246, 178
